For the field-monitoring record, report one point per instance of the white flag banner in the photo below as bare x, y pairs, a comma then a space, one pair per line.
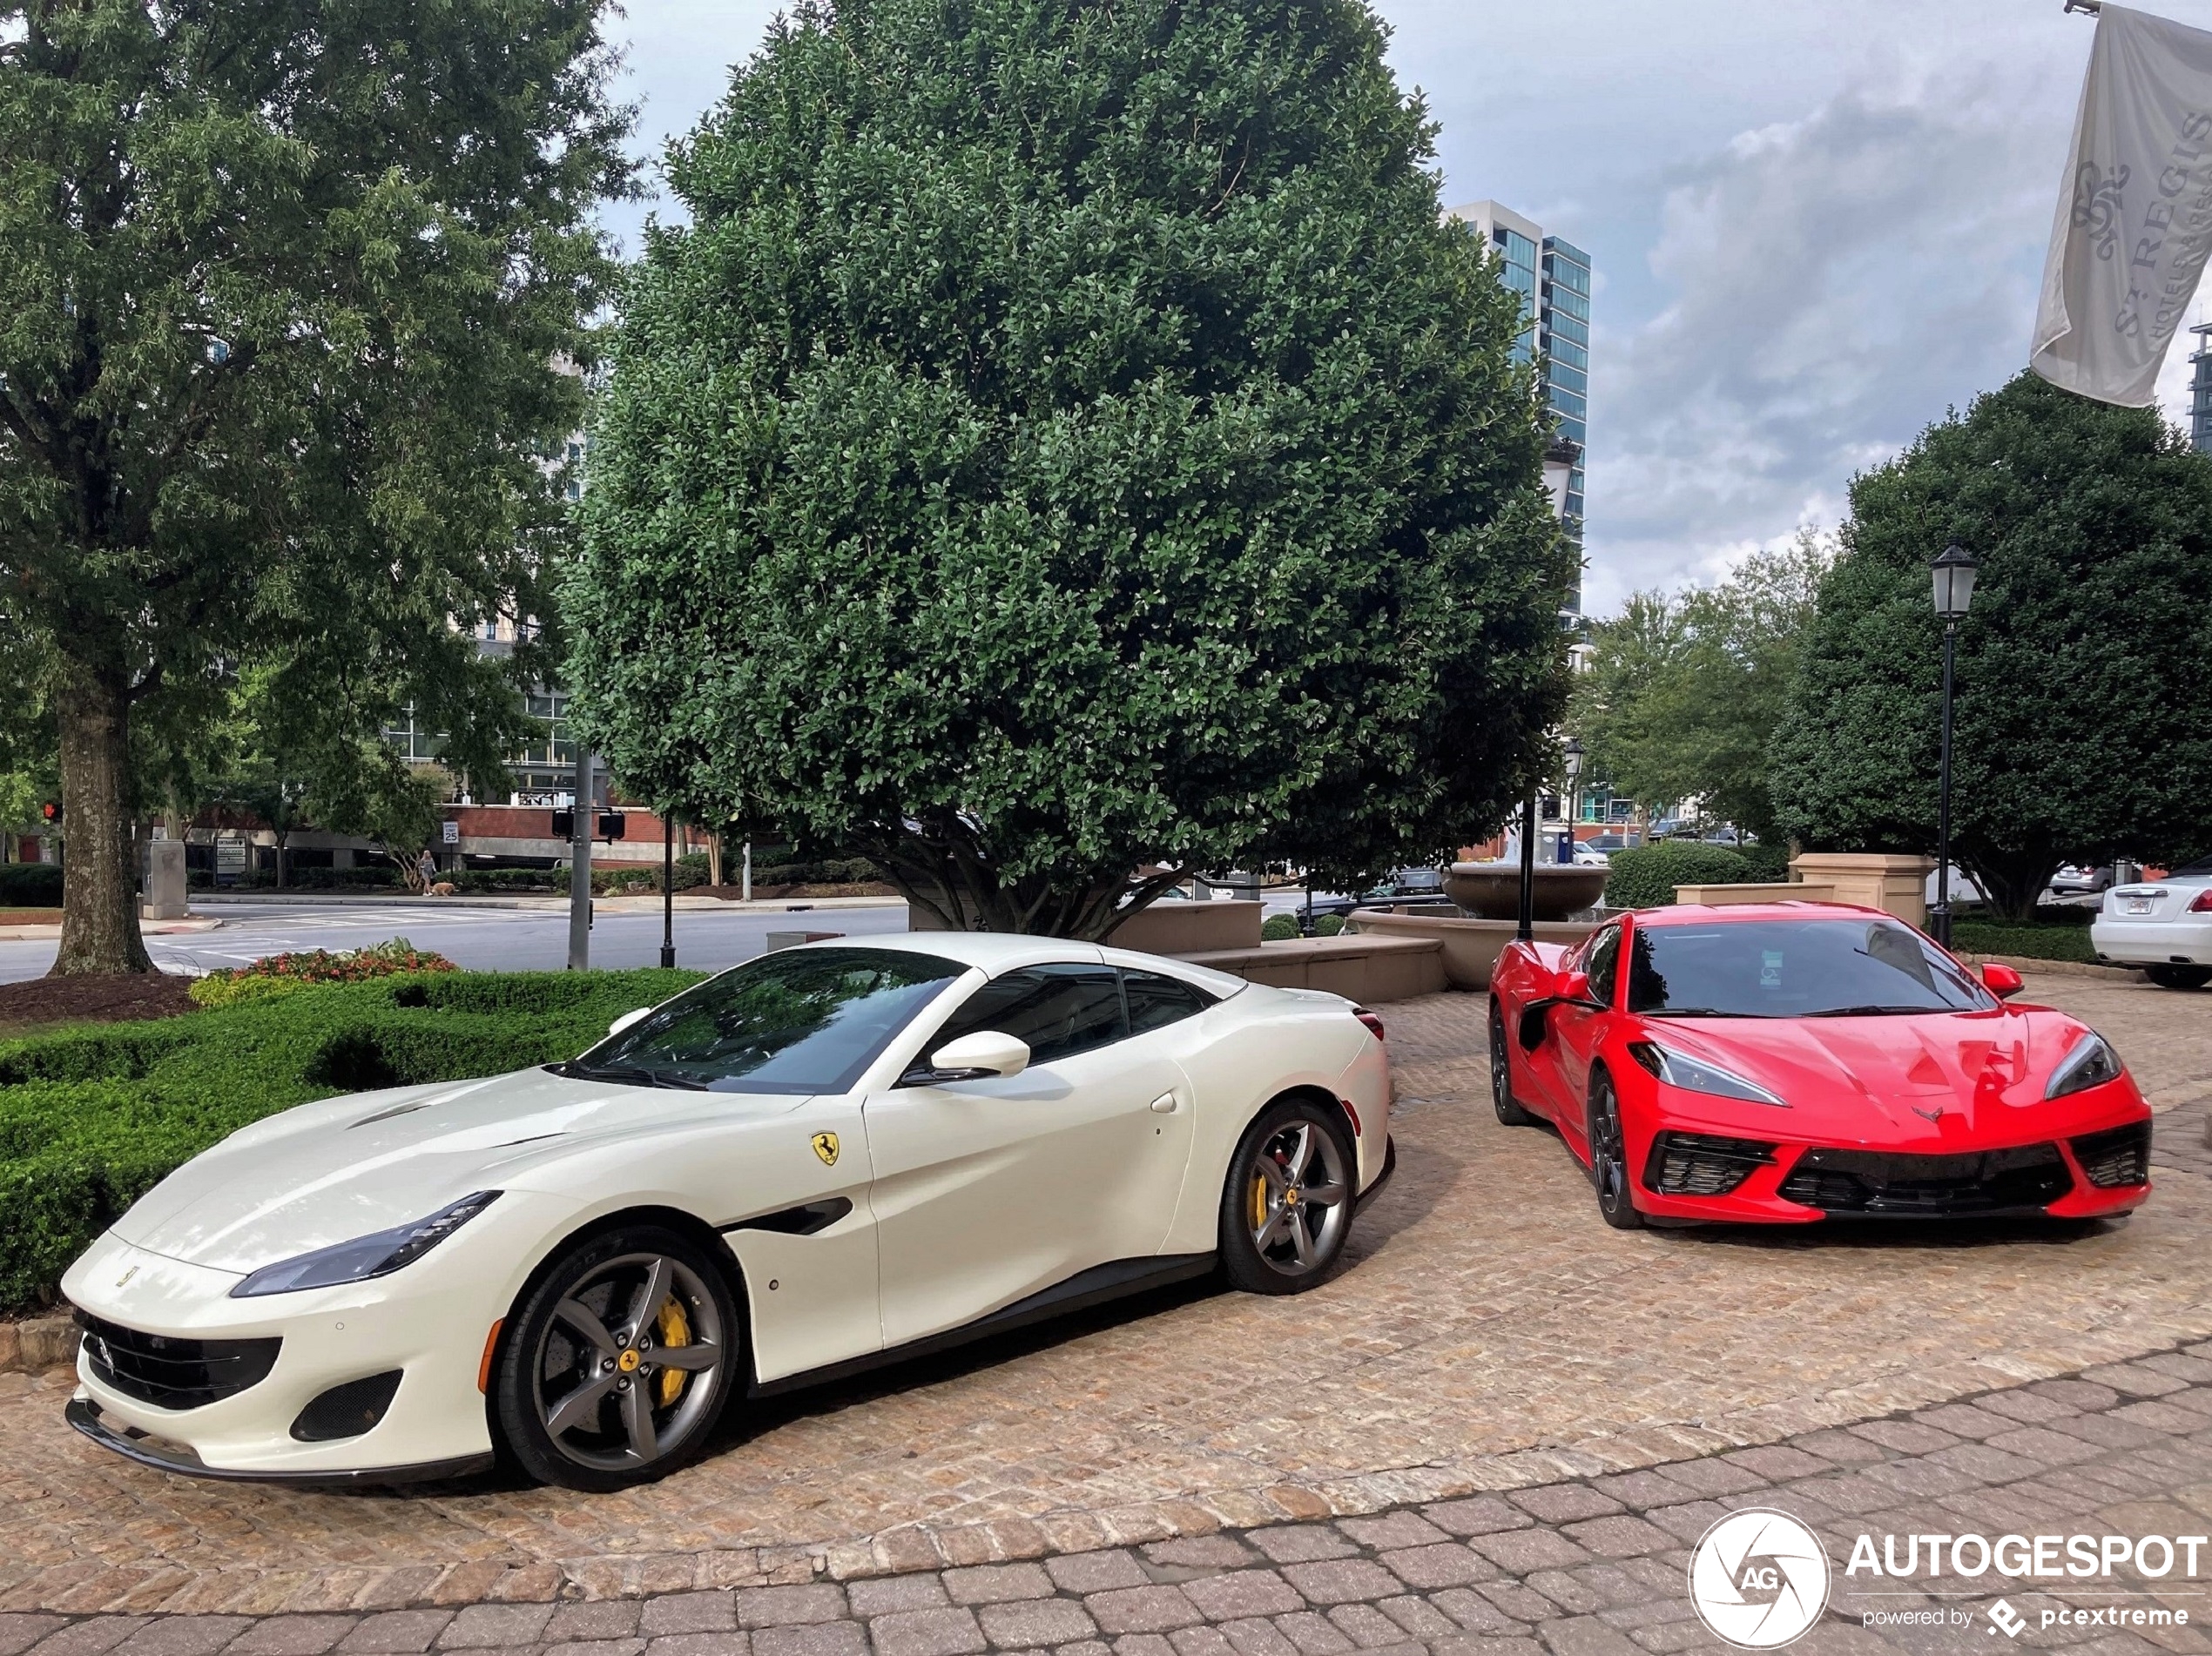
2134, 219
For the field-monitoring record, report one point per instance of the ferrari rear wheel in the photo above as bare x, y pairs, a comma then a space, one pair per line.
2179, 977
1286, 1209
1609, 1156
1502, 1098
620, 1361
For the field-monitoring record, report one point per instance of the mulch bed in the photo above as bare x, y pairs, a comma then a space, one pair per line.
31, 917
92, 1000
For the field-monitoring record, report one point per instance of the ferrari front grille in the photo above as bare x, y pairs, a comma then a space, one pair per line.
1931, 1187
1697, 1164
2118, 1157
172, 1373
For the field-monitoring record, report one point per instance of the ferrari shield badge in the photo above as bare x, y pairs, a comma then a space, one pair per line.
826, 1147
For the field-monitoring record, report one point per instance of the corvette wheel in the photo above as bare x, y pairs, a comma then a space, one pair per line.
620, 1361
1609, 1156
1287, 1208
1502, 1098
2179, 977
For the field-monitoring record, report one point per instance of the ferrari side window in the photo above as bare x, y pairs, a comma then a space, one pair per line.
1155, 1001
1059, 1010
1605, 961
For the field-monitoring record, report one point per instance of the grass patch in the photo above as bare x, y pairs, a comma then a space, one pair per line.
93, 1116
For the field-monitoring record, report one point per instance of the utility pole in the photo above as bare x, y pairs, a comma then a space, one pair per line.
580, 864
667, 888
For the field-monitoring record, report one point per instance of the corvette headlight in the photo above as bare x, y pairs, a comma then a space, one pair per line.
377, 1254
2092, 1063
1694, 1076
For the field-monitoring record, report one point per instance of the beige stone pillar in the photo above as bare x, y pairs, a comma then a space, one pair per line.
1896, 885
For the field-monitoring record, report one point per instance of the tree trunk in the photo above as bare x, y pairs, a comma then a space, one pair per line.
280, 837
99, 882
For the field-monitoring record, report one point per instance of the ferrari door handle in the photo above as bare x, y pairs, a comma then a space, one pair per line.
1164, 1105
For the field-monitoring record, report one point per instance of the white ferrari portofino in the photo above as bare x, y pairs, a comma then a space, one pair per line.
829, 1158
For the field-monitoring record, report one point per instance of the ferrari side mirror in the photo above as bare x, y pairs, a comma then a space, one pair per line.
985, 1053
2001, 980
625, 1020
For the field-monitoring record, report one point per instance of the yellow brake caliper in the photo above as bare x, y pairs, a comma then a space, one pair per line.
675, 1329
1259, 1201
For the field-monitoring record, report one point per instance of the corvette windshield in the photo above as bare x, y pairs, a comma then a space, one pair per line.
1825, 968
799, 1020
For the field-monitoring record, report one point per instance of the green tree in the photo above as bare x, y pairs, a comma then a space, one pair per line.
1683, 694
1065, 438
2081, 665
288, 296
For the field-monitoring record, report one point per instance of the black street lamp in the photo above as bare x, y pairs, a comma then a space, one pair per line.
1954, 590
667, 888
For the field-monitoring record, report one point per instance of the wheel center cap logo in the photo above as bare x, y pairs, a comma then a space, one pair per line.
627, 1362
1759, 1578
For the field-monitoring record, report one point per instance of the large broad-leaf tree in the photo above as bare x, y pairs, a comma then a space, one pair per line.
1065, 439
292, 296
2081, 664
1683, 691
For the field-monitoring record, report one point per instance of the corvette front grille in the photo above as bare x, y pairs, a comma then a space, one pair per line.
1698, 1164
172, 1373
1908, 1187
2120, 1155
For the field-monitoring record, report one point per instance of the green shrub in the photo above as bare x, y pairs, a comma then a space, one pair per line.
1646, 877
1279, 928
1328, 926
31, 885
1767, 864
315, 966
92, 1119
2063, 936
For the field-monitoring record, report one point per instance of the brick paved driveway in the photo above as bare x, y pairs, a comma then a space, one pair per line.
1490, 1336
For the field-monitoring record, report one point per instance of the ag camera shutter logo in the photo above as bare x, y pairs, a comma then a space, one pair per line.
1759, 1578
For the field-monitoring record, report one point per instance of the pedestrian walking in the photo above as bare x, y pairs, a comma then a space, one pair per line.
427, 866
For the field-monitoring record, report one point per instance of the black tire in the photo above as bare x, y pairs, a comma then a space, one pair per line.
1287, 1205
2179, 977
576, 1349
1501, 1100
1609, 1156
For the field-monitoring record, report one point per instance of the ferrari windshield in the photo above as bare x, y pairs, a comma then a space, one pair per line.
1809, 968
799, 1020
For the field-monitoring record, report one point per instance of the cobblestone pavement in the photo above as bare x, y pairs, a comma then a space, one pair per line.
1489, 1338
1590, 1566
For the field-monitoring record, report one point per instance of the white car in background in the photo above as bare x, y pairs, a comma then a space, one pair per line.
823, 1160
2165, 927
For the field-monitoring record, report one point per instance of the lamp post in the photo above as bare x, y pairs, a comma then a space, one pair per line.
1574, 757
1954, 590
667, 889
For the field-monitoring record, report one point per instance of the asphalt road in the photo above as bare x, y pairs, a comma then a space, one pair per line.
501, 939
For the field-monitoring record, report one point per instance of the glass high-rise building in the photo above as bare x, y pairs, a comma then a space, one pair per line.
2201, 390
1552, 276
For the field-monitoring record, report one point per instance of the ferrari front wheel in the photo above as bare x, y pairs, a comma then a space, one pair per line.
1501, 1100
619, 1360
1609, 1156
1286, 1208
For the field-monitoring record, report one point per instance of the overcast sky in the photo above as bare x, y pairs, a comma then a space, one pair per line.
1814, 223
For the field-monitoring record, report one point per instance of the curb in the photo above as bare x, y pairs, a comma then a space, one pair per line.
2062, 968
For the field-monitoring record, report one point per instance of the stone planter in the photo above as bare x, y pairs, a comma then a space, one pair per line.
1471, 947
1492, 890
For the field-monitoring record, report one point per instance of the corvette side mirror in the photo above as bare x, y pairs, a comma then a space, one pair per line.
985, 1053
2001, 980
625, 1020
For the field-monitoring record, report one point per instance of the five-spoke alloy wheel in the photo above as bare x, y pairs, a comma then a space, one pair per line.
620, 1361
1510, 1113
1609, 1156
1287, 1207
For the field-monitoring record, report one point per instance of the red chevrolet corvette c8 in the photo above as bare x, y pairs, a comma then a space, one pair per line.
1791, 1062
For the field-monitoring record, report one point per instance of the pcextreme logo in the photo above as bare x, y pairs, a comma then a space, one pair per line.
1759, 1578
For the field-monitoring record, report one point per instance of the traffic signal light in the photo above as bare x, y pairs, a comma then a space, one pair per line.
51, 811
564, 824
610, 824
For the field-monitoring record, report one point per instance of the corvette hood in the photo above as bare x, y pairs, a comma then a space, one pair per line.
1928, 1083
328, 1172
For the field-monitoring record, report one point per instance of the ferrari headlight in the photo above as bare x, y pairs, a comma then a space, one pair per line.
377, 1254
2092, 1063
1694, 1076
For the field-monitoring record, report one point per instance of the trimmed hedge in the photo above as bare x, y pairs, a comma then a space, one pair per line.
92, 1118
31, 885
1646, 877
2054, 939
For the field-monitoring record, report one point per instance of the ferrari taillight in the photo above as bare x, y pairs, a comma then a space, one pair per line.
2203, 904
1375, 1024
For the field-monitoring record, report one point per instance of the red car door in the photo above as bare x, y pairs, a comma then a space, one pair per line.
1577, 1031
